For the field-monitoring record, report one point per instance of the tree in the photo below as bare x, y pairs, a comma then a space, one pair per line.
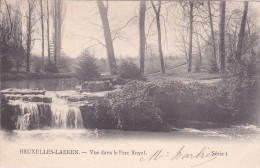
222, 52
58, 17
87, 70
241, 34
42, 28
48, 32
30, 24
212, 35
107, 34
190, 36
142, 34
157, 15
11, 39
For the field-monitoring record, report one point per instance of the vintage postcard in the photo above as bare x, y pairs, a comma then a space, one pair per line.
130, 84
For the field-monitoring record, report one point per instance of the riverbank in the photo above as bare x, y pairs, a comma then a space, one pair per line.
32, 75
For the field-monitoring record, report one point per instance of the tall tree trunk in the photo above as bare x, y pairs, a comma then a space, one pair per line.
59, 24
42, 27
48, 32
142, 33
212, 34
29, 38
55, 32
241, 34
0, 17
108, 39
222, 52
199, 50
190, 36
160, 44
158, 23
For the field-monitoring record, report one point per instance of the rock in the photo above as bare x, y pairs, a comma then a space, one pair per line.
23, 91
74, 96
118, 81
96, 86
29, 98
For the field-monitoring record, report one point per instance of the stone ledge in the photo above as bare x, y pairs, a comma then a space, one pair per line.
15, 91
28, 97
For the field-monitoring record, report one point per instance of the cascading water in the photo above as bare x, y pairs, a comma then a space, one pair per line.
65, 116
58, 114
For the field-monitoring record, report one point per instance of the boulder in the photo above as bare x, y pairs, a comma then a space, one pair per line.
73, 96
118, 81
96, 86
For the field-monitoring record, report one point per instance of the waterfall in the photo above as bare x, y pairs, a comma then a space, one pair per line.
64, 116
29, 116
58, 114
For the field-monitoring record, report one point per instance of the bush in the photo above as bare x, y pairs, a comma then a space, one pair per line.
151, 106
213, 67
6, 64
129, 70
7, 113
133, 108
198, 66
37, 65
51, 67
192, 101
87, 70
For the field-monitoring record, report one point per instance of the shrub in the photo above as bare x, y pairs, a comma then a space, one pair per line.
87, 70
6, 64
7, 113
129, 70
197, 66
213, 67
133, 108
151, 106
51, 67
37, 65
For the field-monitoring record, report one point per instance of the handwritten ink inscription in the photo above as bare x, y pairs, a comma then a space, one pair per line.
204, 154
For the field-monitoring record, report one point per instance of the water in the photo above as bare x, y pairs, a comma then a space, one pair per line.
58, 114
45, 84
238, 133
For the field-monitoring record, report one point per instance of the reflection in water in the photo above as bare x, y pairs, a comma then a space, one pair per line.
47, 84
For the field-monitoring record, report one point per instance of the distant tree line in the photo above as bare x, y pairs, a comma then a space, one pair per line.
233, 42
17, 43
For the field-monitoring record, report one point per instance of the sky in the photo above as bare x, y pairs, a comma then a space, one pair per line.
82, 27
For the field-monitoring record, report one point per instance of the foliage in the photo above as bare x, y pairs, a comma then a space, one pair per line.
7, 113
87, 70
129, 70
51, 67
37, 64
6, 63
197, 66
213, 66
150, 106
12, 50
133, 108
66, 63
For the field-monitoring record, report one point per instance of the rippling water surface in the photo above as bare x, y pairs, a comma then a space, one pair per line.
241, 133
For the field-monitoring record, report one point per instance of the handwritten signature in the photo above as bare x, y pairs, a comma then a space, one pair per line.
205, 155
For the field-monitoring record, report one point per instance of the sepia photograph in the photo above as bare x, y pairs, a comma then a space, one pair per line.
129, 83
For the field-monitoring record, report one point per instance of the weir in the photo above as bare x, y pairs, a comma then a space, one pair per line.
57, 114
